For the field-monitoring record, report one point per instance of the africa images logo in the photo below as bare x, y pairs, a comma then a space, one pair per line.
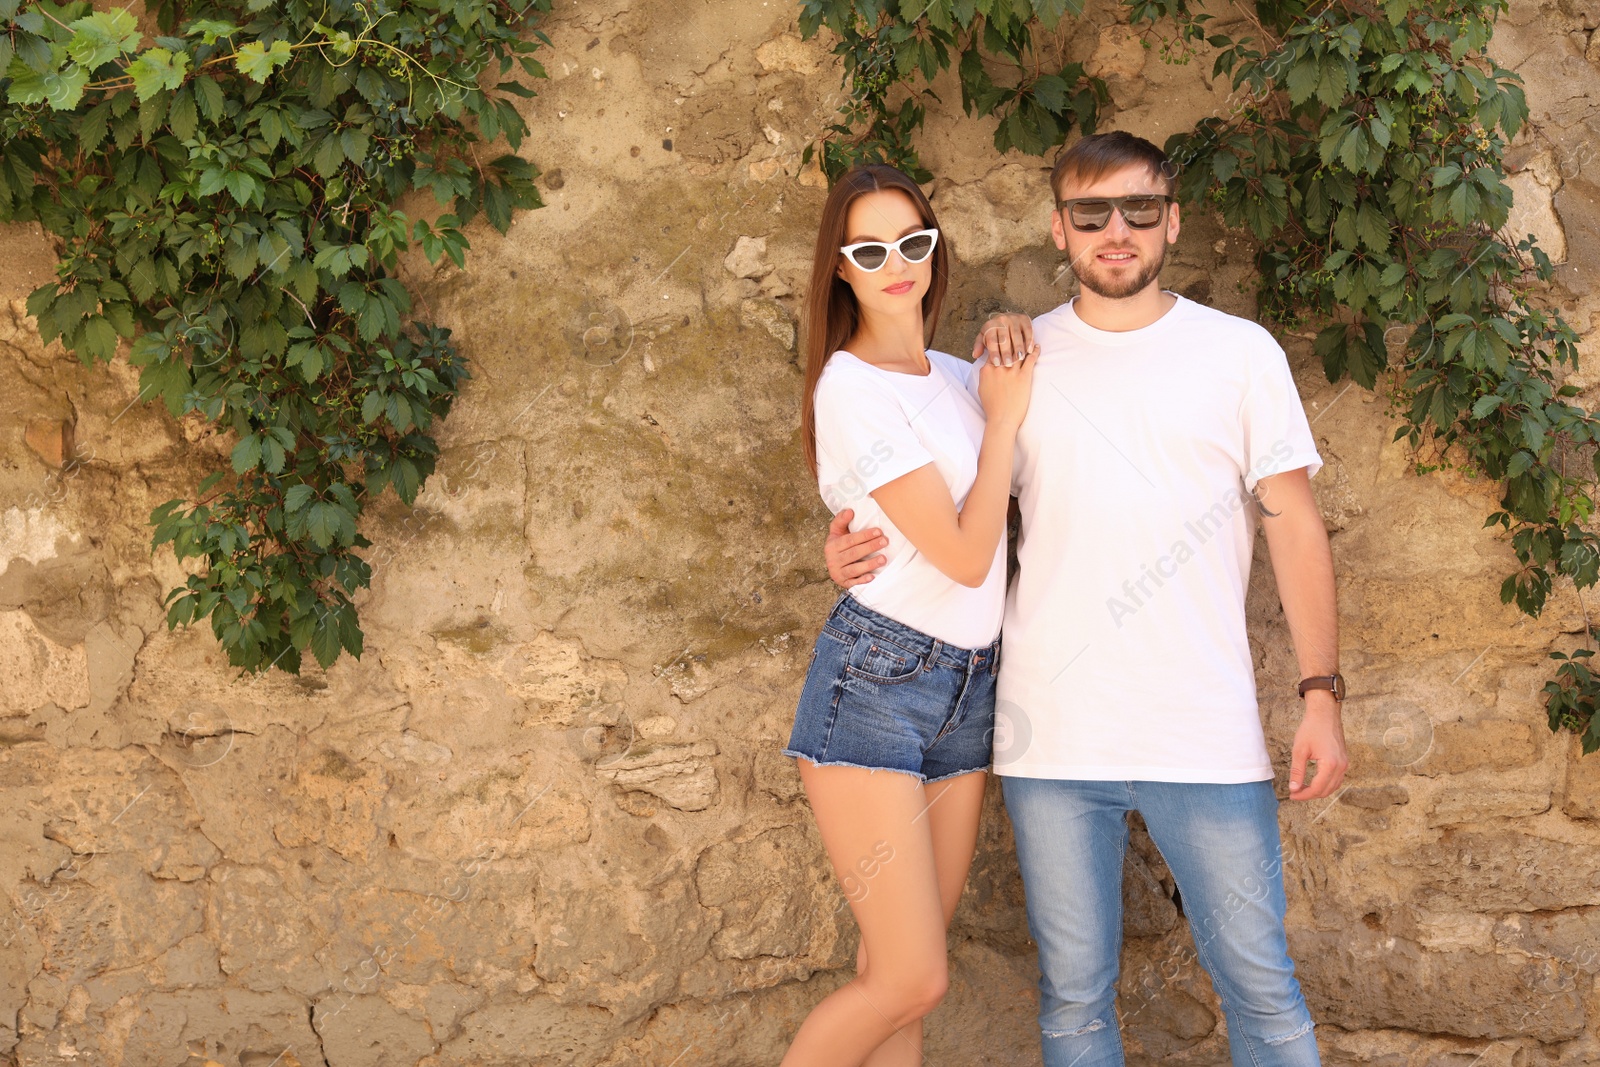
1201, 528
849, 487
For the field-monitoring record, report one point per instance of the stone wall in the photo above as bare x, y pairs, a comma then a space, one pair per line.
544, 819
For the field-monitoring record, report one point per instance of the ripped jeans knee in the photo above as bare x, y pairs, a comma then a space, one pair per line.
1088, 1028
1301, 1031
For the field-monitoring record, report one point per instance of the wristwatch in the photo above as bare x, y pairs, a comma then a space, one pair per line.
1334, 681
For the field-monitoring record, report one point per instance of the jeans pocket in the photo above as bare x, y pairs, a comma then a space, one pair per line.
877, 659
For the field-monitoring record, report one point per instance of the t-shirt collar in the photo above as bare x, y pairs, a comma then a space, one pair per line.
1069, 317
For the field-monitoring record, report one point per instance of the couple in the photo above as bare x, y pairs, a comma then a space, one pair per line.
1143, 434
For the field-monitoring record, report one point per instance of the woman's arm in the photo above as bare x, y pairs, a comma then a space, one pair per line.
962, 544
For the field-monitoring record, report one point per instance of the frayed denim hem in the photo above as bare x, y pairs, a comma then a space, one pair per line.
924, 779
845, 763
956, 774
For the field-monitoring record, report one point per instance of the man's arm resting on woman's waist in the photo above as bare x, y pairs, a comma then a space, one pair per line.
852, 557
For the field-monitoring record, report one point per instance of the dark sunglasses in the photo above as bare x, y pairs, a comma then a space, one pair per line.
871, 255
1140, 211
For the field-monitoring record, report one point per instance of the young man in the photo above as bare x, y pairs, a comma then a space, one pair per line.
1158, 431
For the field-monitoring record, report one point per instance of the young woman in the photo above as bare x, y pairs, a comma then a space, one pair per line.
902, 676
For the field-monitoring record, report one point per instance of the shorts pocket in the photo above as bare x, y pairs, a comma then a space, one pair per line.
877, 659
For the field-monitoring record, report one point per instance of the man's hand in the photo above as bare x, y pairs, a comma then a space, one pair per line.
1007, 338
1320, 738
846, 552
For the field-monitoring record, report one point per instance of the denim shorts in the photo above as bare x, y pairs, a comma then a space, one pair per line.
884, 696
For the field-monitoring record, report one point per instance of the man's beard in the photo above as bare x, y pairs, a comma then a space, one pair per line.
1112, 288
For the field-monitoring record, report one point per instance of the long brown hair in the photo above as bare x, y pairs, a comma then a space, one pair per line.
831, 312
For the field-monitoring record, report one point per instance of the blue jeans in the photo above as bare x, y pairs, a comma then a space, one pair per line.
1221, 843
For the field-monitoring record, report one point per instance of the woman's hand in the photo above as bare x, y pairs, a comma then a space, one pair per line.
1006, 338
1005, 391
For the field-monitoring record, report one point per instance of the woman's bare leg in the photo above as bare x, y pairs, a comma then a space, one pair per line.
954, 806
876, 828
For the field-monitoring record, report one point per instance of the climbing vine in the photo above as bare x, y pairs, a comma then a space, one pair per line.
1035, 107
1362, 146
221, 185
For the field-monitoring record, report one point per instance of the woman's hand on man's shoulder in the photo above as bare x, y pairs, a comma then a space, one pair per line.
1005, 338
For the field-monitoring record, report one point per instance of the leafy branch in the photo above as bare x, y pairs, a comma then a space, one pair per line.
222, 196
1041, 99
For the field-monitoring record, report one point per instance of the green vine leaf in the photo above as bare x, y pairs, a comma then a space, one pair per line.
257, 62
157, 69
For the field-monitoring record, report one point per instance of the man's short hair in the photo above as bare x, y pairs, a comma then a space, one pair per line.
1099, 154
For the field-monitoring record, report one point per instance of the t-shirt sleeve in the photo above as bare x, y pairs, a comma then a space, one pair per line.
864, 430
1276, 437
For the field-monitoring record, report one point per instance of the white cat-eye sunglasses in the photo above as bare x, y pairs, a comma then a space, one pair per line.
870, 256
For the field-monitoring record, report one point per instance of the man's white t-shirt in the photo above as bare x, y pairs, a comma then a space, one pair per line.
1125, 655
874, 425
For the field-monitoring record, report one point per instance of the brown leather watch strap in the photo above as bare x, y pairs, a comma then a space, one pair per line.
1333, 682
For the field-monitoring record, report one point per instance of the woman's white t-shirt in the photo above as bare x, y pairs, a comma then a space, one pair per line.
874, 425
